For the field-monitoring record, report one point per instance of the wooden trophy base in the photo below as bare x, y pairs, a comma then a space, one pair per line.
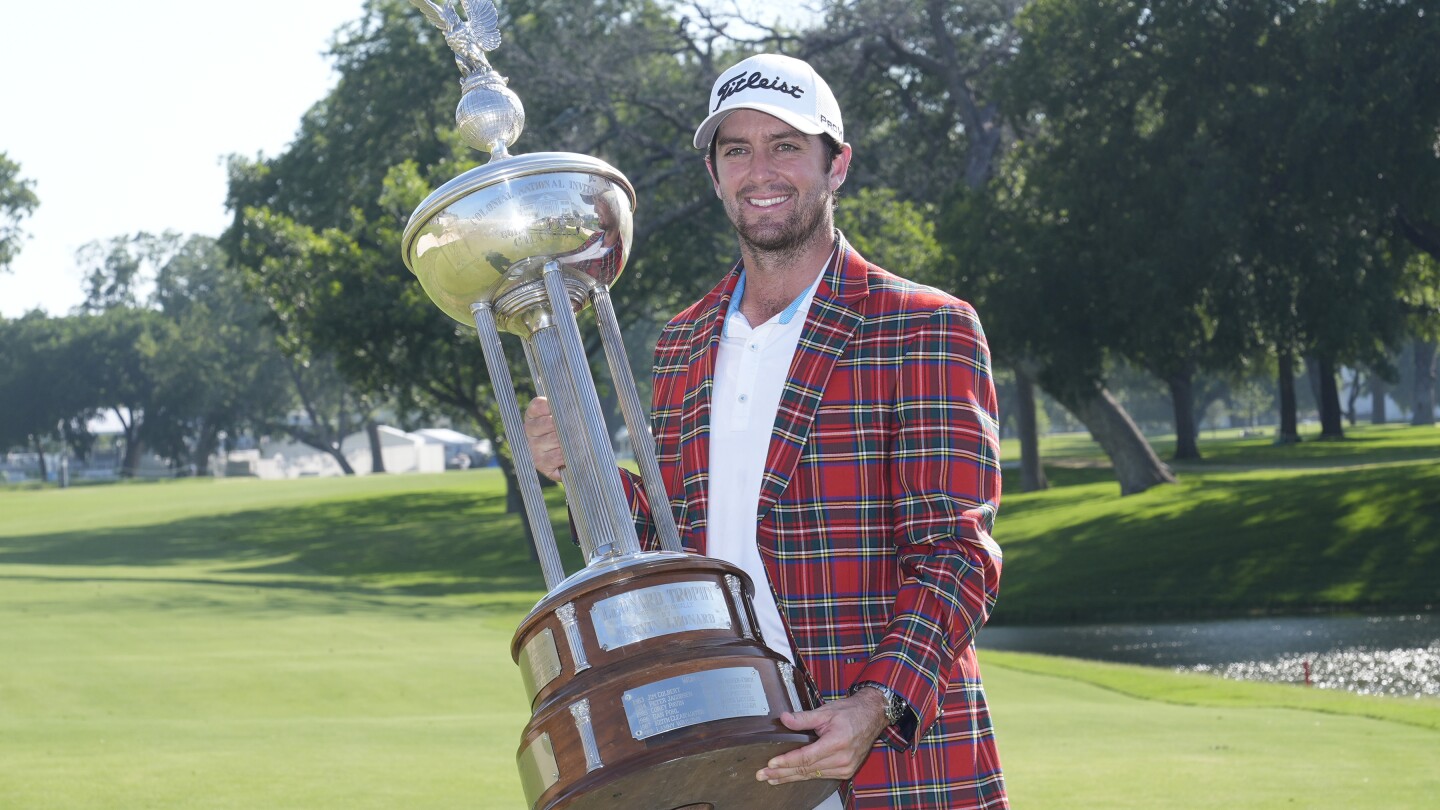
711, 779
651, 689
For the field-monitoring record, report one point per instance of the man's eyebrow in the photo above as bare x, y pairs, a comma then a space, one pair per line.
783, 135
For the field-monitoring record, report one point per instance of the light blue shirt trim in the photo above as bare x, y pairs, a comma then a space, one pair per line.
786, 316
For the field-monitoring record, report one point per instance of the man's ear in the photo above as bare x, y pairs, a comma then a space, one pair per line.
714, 178
840, 168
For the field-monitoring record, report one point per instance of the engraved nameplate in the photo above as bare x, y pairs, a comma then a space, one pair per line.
537, 769
539, 662
700, 697
675, 607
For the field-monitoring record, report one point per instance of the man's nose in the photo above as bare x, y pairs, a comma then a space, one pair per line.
762, 164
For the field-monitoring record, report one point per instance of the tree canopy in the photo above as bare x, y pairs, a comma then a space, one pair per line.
17, 201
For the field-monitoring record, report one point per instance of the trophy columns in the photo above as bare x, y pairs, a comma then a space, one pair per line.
565, 369
535, 511
642, 444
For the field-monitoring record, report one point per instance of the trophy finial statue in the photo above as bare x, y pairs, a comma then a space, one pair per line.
490, 116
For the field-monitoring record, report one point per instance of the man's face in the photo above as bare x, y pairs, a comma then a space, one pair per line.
776, 182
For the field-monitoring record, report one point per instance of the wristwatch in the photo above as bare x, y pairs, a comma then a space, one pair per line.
895, 706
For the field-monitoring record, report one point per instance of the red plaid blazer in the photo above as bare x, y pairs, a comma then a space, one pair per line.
875, 512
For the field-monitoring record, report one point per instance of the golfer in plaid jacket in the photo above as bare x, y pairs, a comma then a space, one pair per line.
880, 480
875, 511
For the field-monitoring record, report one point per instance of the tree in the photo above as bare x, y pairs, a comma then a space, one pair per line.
17, 201
914, 79
1423, 409
177, 347
921, 75
121, 271
1421, 299
221, 372
44, 399
120, 348
317, 229
1127, 157
1343, 201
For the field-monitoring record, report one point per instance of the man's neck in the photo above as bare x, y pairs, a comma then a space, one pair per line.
773, 279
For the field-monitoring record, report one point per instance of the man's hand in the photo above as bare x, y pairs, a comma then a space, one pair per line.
544, 439
847, 727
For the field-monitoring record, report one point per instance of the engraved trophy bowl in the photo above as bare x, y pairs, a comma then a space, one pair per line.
650, 686
486, 235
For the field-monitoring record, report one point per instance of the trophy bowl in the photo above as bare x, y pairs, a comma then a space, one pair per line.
485, 235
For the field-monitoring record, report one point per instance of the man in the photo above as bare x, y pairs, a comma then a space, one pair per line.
830, 428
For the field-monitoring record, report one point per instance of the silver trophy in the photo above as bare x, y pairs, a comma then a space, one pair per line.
650, 687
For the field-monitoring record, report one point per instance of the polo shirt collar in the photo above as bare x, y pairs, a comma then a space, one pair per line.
786, 315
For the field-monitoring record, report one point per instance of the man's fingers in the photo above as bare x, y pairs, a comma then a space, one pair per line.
804, 721
544, 440
825, 758
538, 407
847, 728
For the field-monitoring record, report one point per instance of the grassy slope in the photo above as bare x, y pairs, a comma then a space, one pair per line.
1362, 533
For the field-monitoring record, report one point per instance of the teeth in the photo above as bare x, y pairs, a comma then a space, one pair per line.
766, 203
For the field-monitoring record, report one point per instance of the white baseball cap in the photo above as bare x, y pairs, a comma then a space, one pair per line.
782, 86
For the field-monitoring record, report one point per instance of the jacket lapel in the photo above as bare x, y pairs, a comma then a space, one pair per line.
704, 343
834, 317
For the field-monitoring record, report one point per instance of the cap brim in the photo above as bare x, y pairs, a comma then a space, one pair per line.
706, 131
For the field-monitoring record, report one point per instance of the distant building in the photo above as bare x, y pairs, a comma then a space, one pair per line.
461, 451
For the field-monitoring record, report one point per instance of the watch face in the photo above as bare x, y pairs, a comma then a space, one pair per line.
894, 708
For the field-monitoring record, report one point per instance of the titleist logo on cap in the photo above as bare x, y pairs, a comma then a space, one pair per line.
754, 81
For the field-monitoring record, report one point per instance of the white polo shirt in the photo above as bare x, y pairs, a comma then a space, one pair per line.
750, 372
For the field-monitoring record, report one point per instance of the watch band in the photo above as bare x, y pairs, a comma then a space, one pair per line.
895, 706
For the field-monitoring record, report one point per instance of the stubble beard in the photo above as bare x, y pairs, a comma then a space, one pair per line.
806, 225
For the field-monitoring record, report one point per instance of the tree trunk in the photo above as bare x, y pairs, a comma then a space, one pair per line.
1377, 400
1032, 471
1424, 383
1312, 378
1137, 468
322, 439
1332, 424
1287, 433
134, 448
1352, 396
515, 502
209, 443
40, 454
1182, 400
377, 450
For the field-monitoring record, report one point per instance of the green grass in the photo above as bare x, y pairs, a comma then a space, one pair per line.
1076, 735
330, 643
1360, 532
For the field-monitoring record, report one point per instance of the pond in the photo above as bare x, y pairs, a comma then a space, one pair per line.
1378, 655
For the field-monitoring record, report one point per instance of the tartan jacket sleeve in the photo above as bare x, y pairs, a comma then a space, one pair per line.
945, 488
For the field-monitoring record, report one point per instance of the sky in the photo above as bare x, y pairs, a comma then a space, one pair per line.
123, 115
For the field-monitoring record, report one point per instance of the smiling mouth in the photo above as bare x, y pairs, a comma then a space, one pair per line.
766, 202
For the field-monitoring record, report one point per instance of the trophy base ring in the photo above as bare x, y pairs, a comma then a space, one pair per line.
688, 778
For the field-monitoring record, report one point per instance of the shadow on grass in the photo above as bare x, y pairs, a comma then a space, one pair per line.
432, 543
1363, 539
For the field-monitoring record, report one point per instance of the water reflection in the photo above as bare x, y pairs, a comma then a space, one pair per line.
1395, 655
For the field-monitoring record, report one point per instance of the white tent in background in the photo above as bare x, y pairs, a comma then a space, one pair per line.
403, 453
461, 451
